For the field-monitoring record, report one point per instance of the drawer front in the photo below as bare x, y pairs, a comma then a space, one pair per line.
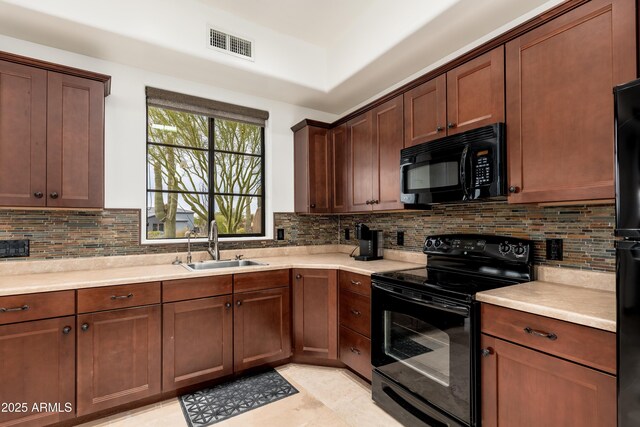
248, 282
357, 283
199, 287
114, 297
355, 312
20, 308
581, 344
355, 351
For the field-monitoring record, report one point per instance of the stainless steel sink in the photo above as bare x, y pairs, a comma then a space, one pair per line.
210, 265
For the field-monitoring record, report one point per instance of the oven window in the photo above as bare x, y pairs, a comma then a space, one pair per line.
432, 175
418, 345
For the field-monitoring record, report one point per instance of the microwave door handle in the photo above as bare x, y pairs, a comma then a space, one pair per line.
463, 172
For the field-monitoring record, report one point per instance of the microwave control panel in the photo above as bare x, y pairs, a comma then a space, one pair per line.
483, 173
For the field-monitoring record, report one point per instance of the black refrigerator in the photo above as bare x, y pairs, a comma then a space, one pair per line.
627, 138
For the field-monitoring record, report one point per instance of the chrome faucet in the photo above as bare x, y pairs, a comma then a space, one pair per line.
188, 234
213, 236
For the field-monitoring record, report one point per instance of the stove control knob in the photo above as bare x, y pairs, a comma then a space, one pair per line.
428, 243
504, 248
519, 250
438, 243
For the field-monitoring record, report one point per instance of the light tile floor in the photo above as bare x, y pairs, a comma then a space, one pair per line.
327, 397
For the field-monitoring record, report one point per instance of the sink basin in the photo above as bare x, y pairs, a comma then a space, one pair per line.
210, 265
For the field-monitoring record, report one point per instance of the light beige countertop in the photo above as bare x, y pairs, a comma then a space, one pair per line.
587, 306
87, 278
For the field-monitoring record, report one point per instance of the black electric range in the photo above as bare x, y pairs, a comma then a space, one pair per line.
425, 327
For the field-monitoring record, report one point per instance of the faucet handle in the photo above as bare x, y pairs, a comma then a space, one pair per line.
239, 257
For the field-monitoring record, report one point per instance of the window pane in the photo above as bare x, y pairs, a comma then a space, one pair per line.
170, 215
238, 214
177, 128
177, 169
237, 174
237, 137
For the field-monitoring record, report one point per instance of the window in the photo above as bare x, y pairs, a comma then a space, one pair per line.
204, 162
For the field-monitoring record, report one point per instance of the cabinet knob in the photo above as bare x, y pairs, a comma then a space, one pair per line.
298, 276
53, 195
313, 205
485, 352
84, 327
451, 125
368, 202
228, 305
38, 194
375, 202
439, 129
355, 312
513, 189
66, 330
238, 303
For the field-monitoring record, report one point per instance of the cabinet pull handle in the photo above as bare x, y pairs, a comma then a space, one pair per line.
541, 334
355, 350
313, 205
53, 195
298, 276
130, 295
485, 352
239, 303
356, 282
228, 305
514, 189
38, 194
451, 125
66, 330
368, 202
439, 129
375, 202
355, 312
84, 327
8, 310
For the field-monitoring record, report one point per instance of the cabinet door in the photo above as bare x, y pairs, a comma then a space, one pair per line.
118, 357
197, 342
37, 366
23, 135
315, 313
319, 170
75, 142
340, 156
559, 78
523, 387
475, 92
262, 327
360, 167
425, 112
387, 143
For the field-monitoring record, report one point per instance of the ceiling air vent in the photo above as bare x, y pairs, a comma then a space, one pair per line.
229, 43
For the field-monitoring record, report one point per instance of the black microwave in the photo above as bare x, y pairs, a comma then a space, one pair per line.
469, 166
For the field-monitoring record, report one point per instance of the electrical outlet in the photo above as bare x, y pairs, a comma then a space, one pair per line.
347, 234
400, 238
554, 249
14, 248
280, 234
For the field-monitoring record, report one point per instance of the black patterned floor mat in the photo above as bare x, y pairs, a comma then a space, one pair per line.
212, 405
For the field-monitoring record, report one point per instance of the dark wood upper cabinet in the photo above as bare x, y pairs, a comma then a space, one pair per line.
387, 142
425, 112
197, 344
475, 92
118, 357
360, 162
262, 327
23, 135
51, 135
313, 170
340, 159
560, 125
315, 313
38, 366
75, 142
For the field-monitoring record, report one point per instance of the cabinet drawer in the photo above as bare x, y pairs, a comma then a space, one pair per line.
582, 344
121, 296
355, 312
200, 287
20, 308
247, 282
355, 351
357, 283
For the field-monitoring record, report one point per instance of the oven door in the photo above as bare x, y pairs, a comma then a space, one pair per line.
425, 345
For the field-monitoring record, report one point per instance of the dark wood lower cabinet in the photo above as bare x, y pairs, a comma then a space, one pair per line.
355, 351
197, 343
118, 357
262, 327
526, 388
37, 366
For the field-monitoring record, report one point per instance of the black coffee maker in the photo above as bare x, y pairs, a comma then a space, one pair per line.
370, 243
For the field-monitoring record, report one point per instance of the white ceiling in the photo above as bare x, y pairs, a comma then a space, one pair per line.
320, 22
329, 55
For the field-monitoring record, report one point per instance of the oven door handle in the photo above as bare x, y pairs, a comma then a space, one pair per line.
453, 308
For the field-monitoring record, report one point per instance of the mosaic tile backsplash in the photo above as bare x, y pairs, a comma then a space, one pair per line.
587, 230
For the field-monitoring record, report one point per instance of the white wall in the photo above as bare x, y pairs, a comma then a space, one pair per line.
125, 131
